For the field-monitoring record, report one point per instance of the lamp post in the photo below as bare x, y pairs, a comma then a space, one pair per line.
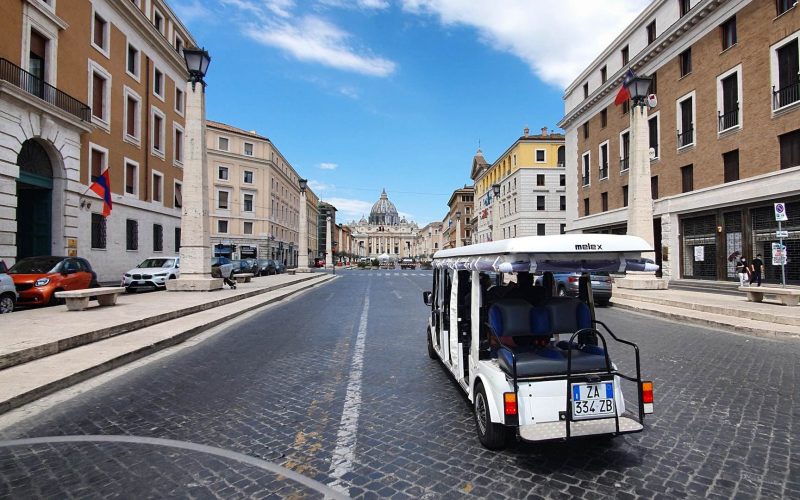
328, 242
302, 250
640, 198
495, 211
195, 248
458, 228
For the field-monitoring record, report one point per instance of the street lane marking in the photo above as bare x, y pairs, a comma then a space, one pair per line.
397, 295
344, 454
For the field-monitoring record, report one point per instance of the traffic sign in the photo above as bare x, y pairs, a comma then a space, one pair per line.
780, 212
781, 234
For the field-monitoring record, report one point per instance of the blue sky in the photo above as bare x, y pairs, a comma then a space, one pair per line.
361, 95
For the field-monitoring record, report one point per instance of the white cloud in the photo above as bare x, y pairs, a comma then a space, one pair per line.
349, 208
191, 10
358, 4
320, 187
557, 39
328, 166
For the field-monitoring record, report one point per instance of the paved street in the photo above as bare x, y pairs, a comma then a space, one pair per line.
337, 386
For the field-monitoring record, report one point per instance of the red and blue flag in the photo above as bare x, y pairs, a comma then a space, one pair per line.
624, 94
102, 187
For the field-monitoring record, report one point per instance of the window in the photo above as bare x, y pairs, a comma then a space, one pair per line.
222, 173
97, 158
562, 180
652, 124
133, 114
177, 201
247, 203
157, 132
179, 44
654, 82
99, 94
687, 178
786, 89
603, 118
586, 130
133, 62
248, 177
248, 228
248, 149
684, 6
625, 53
728, 100
586, 90
222, 226
222, 144
783, 5
158, 238
585, 207
685, 61
131, 178
222, 200
177, 143
98, 231
158, 83
540, 156
179, 100
604, 160
624, 196
790, 149
651, 32
654, 187
37, 57
562, 229
177, 240
686, 121
730, 163
586, 159
728, 31
562, 202
540, 203
100, 34
158, 187
624, 151
131, 234
626, 107
604, 202
540, 230
158, 21
604, 74
540, 180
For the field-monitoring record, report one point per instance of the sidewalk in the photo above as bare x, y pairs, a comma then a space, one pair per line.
46, 349
725, 311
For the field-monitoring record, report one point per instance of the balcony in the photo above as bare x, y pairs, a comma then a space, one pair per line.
785, 96
624, 164
728, 119
686, 137
20, 78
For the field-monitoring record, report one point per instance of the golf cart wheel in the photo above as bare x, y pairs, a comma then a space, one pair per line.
492, 436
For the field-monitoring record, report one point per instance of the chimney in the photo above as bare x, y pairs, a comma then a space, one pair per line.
544, 131
526, 131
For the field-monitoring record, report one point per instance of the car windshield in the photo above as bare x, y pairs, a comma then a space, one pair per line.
157, 263
36, 265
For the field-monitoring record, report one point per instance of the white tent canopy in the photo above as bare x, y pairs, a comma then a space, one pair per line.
384, 257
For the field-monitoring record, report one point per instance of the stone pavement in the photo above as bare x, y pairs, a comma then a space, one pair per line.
730, 312
46, 349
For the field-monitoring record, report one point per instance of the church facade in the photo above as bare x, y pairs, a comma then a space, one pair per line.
385, 232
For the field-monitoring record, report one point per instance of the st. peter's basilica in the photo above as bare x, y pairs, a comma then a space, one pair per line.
384, 233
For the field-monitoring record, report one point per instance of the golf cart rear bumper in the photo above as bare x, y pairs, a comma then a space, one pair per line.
547, 431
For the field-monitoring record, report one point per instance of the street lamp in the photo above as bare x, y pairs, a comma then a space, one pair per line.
302, 251
495, 210
195, 251
458, 228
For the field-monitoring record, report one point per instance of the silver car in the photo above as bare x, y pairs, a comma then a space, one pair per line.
8, 294
152, 273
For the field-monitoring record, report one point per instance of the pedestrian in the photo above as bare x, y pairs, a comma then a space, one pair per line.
756, 268
742, 270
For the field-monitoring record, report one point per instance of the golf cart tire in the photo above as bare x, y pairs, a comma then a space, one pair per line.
492, 436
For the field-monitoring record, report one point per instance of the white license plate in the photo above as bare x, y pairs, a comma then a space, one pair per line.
592, 400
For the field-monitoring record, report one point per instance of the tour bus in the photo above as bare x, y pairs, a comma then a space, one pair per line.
534, 365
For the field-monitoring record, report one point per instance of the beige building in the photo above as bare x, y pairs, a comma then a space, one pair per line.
87, 86
255, 197
724, 136
429, 241
461, 206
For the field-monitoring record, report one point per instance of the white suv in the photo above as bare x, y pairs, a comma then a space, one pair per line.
152, 273
8, 292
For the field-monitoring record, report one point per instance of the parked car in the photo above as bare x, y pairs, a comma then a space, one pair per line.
221, 266
253, 266
279, 267
38, 278
266, 267
241, 266
152, 273
407, 263
567, 285
319, 262
8, 293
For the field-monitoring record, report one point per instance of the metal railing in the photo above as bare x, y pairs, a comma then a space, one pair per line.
728, 119
786, 95
686, 137
585, 180
624, 164
33, 85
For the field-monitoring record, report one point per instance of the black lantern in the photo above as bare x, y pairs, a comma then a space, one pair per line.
458, 215
638, 87
197, 61
496, 189
303, 184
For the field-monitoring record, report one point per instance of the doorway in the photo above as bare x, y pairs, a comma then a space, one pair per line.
34, 201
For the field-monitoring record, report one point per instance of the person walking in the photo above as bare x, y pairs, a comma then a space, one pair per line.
756, 268
742, 270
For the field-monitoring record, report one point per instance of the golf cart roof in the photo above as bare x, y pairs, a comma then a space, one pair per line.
558, 253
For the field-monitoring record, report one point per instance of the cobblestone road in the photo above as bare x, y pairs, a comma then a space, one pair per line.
279, 387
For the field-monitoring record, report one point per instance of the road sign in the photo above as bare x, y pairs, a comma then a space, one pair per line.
778, 254
781, 234
780, 212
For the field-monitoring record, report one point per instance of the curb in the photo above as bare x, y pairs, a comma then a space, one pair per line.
44, 350
75, 378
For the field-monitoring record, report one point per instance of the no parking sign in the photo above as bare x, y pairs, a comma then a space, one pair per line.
780, 212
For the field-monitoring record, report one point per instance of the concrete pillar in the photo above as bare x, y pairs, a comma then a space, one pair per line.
195, 223
328, 252
302, 245
458, 232
495, 218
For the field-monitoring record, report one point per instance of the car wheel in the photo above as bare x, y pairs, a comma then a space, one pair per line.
6, 304
492, 436
55, 301
431, 351
604, 302
562, 292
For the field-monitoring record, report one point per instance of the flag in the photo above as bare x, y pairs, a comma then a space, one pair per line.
623, 94
102, 187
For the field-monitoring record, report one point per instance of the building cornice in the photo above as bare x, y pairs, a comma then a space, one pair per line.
27, 100
48, 13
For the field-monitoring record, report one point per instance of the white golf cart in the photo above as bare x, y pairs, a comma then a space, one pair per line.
533, 364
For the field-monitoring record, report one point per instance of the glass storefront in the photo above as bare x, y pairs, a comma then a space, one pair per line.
764, 227
699, 256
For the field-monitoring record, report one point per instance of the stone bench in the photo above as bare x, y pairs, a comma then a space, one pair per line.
243, 277
787, 296
78, 300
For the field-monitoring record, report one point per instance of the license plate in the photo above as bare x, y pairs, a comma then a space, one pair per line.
592, 400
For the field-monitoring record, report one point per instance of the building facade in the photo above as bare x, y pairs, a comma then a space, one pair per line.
385, 232
87, 86
255, 197
457, 221
724, 135
532, 182
325, 210
429, 241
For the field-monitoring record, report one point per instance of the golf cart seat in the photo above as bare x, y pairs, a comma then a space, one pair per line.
531, 329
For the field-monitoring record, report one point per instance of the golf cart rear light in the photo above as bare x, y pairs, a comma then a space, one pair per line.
647, 392
510, 403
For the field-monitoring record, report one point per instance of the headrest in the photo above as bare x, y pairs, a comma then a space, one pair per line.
510, 317
568, 314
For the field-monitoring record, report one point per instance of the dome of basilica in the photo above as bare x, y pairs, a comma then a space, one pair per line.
384, 212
